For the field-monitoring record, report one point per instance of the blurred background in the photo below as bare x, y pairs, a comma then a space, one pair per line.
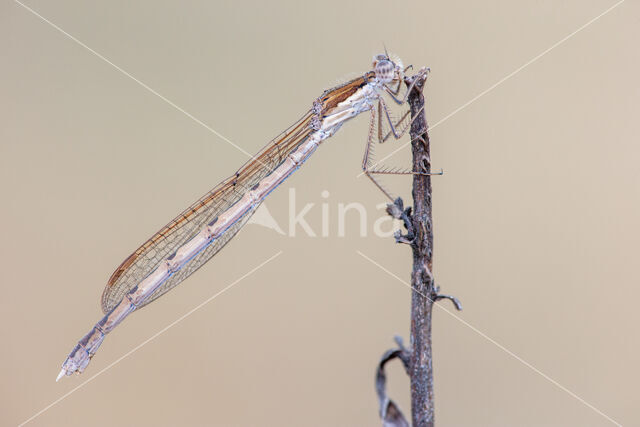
536, 216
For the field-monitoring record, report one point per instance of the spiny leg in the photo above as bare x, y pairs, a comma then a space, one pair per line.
382, 139
368, 157
398, 171
382, 106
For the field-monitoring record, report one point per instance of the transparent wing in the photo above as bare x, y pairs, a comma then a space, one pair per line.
182, 228
201, 259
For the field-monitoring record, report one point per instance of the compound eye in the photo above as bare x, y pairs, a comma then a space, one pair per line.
385, 70
379, 58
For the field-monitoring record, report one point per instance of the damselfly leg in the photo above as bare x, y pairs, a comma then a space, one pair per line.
393, 93
382, 139
396, 91
376, 116
382, 106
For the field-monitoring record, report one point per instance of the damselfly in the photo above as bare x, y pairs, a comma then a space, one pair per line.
197, 234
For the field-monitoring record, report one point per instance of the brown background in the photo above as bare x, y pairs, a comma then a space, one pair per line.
536, 217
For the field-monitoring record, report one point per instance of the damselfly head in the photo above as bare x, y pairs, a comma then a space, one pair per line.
386, 70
